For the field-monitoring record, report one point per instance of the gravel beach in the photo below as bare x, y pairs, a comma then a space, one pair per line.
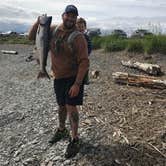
120, 125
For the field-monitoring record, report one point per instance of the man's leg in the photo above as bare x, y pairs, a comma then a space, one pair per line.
74, 145
74, 119
61, 132
62, 115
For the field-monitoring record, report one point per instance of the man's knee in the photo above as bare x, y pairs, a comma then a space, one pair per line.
62, 108
73, 113
71, 108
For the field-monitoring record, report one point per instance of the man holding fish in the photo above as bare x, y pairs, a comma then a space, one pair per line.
69, 59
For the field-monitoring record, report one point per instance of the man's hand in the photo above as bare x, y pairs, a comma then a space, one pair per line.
74, 90
38, 19
43, 75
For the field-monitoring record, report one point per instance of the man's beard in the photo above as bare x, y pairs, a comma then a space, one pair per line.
69, 26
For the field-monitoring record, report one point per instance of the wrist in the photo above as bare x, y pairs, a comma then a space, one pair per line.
77, 83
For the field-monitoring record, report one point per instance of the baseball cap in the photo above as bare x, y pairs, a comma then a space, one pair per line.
71, 9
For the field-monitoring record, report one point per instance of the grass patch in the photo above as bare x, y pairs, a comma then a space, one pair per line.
135, 46
157, 44
115, 45
15, 40
149, 44
110, 43
96, 42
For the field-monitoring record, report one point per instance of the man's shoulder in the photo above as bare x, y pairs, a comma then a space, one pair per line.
74, 35
53, 27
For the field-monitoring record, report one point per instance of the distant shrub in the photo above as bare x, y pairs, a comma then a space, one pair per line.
136, 46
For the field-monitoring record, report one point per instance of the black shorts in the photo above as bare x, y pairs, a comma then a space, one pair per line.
62, 87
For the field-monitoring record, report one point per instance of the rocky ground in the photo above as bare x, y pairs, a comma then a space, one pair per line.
120, 125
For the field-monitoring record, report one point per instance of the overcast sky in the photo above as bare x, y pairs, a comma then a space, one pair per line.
102, 13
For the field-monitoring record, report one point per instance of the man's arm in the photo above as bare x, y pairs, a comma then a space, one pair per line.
82, 58
33, 31
81, 49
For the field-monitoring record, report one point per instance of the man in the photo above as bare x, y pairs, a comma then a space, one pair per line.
69, 66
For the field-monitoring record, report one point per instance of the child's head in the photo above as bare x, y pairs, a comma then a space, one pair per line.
81, 24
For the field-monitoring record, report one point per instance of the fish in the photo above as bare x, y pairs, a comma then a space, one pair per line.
42, 43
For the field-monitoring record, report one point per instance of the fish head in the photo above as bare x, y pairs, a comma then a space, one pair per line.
44, 19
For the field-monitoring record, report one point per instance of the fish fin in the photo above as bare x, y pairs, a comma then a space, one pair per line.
43, 75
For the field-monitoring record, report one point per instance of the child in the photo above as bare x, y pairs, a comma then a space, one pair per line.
81, 26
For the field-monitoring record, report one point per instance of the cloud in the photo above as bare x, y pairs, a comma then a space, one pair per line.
97, 13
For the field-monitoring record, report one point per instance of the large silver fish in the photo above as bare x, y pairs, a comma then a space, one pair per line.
42, 43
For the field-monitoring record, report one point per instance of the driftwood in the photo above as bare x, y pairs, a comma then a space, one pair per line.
95, 74
152, 69
9, 52
139, 80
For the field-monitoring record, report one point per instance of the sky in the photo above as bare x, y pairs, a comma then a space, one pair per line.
104, 14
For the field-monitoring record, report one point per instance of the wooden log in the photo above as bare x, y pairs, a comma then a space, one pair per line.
9, 52
95, 74
152, 69
139, 80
